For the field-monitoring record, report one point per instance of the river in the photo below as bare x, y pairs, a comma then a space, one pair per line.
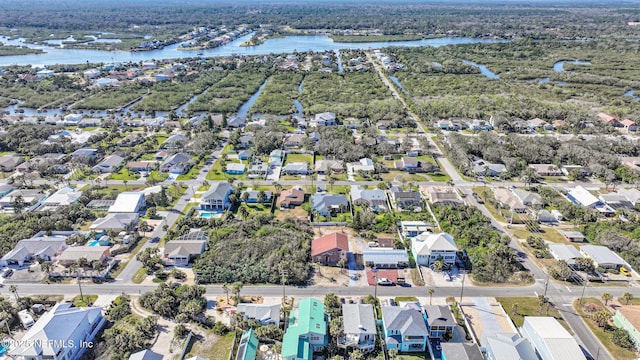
288, 44
559, 66
483, 70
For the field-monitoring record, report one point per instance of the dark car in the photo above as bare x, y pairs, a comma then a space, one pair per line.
155, 239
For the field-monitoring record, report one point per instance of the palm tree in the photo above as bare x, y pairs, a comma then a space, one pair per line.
514, 309
606, 297
235, 288
277, 186
244, 197
125, 182
627, 297
601, 317
243, 212
262, 196
331, 182
431, 291
14, 290
226, 289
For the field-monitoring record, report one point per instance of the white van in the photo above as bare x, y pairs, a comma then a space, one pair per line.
372, 244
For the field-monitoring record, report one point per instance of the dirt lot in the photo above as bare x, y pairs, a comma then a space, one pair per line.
330, 276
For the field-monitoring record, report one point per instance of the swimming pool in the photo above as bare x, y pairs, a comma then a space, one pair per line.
3, 349
93, 243
207, 214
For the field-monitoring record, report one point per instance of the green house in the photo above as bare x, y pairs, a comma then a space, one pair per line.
307, 331
628, 318
248, 346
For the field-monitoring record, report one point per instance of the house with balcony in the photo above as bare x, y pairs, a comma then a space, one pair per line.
440, 321
404, 329
217, 197
427, 248
307, 331
359, 328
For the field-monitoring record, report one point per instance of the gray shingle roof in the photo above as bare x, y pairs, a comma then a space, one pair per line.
217, 190
408, 321
359, 319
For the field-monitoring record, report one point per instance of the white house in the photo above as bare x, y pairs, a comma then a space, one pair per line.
128, 202
602, 256
262, 313
549, 339
59, 334
427, 248
359, 328
217, 197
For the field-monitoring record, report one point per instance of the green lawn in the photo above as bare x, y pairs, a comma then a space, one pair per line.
219, 350
85, 300
291, 158
439, 176
139, 276
161, 138
192, 173
603, 334
405, 299
548, 234
124, 174
487, 196
528, 306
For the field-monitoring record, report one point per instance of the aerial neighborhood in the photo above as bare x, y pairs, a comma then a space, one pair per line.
471, 193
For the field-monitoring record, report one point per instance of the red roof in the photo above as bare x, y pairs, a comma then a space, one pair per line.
329, 242
627, 122
606, 118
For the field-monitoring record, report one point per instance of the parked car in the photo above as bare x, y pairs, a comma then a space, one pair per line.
7, 273
385, 282
624, 271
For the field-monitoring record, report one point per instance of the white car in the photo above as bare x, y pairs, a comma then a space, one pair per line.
385, 282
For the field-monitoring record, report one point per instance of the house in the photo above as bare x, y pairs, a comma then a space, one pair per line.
235, 168
410, 229
44, 74
374, 198
616, 201
564, 252
410, 164
603, 257
404, 329
328, 204
50, 336
581, 196
507, 346
290, 198
258, 170
128, 202
324, 119
44, 160
583, 171
324, 166
484, 168
557, 214
145, 355
573, 236
295, 168
549, 339
85, 155
30, 198
440, 321
438, 195
544, 216
427, 248
130, 140
632, 195
609, 120
217, 197
405, 199
180, 252
629, 125
627, 318
91, 73
262, 313
254, 195
160, 155
244, 154
276, 157
248, 346
63, 197
294, 140
36, 248
364, 165
246, 141
307, 331
5, 189
116, 222
109, 164
461, 351
71, 254
237, 122
385, 258
315, 136
133, 72
329, 249
9, 162
538, 123
546, 169
359, 328
175, 141
138, 166
178, 163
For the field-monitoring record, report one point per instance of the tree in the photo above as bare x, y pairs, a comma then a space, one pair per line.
244, 197
335, 328
341, 264
528, 176
627, 297
601, 318
586, 264
393, 353
18, 204
331, 182
356, 355
514, 309
143, 225
262, 196
125, 182
14, 290
332, 305
606, 297
226, 287
236, 287
621, 338
243, 212
431, 291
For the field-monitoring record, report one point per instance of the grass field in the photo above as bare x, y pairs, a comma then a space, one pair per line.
124, 174
218, 350
85, 300
528, 306
291, 158
600, 332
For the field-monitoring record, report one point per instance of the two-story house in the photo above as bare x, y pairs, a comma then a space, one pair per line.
307, 331
217, 197
359, 328
404, 328
330, 249
440, 321
427, 248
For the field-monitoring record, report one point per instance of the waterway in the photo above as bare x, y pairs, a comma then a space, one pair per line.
436, 64
297, 103
288, 44
559, 66
631, 94
244, 109
483, 70
339, 60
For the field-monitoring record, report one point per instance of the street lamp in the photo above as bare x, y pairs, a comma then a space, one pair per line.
462, 289
584, 287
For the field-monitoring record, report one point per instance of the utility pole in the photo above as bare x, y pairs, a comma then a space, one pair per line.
375, 290
462, 289
284, 274
584, 287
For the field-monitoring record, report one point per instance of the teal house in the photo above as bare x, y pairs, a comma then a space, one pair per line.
248, 346
628, 319
307, 331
